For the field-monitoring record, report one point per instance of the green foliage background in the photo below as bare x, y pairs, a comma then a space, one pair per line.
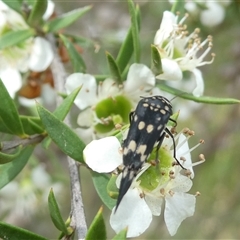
218, 210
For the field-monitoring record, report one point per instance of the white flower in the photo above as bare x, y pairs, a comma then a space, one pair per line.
33, 54
145, 199
180, 51
211, 13
106, 104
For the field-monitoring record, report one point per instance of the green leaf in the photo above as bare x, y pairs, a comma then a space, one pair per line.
46, 142
122, 235
10, 232
62, 135
100, 182
62, 111
202, 99
76, 59
113, 68
135, 31
39, 8
14, 37
3, 127
10, 170
15, 5
126, 50
9, 113
55, 213
156, 64
6, 158
97, 230
112, 189
65, 19
31, 125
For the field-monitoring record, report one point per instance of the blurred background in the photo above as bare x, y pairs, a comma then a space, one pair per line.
217, 214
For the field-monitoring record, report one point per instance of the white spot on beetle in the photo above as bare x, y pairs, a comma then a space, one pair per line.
141, 149
141, 125
150, 128
132, 145
135, 118
162, 111
145, 105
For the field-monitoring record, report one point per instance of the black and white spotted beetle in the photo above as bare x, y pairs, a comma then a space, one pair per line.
147, 127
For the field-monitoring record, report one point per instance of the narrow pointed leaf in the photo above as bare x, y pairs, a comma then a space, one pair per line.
76, 59
202, 99
97, 229
62, 135
6, 158
135, 31
65, 19
62, 111
10, 232
9, 113
126, 50
10, 170
55, 213
3, 127
112, 189
31, 125
39, 8
113, 68
100, 182
14, 37
15, 5
122, 235
156, 60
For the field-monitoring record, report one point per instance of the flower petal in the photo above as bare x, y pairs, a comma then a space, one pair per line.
154, 203
85, 118
12, 80
139, 76
213, 15
49, 11
27, 102
41, 55
171, 70
103, 155
87, 95
133, 213
183, 151
166, 27
107, 88
155, 91
198, 91
181, 184
177, 208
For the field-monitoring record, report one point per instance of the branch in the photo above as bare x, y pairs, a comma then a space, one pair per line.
7, 146
78, 220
